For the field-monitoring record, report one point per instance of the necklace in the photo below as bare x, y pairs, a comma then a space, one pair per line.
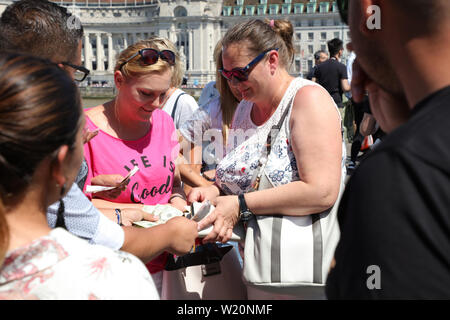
262, 117
125, 129
172, 90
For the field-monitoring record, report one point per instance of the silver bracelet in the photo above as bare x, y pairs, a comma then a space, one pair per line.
176, 195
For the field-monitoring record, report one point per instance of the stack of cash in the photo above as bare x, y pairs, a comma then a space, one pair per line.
163, 211
196, 212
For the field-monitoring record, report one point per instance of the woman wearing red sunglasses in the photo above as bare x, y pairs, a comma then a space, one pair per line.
134, 131
305, 165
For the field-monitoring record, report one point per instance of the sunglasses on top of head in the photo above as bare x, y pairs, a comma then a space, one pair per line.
343, 10
241, 74
150, 56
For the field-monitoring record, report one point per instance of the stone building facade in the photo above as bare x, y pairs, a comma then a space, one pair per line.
195, 26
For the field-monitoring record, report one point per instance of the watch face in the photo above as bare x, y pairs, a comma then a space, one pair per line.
246, 215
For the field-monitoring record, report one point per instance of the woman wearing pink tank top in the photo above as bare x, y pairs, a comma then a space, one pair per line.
133, 131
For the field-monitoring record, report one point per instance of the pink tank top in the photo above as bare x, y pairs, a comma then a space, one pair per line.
154, 154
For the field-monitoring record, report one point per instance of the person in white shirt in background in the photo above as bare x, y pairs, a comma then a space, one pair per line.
178, 104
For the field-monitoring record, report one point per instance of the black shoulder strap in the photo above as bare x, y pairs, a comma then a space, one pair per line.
276, 129
175, 105
272, 136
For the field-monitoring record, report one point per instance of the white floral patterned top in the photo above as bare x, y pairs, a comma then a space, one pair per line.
235, 172
63, 267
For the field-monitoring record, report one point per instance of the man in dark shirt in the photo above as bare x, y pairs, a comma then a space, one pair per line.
331, 74
319, 57
395, 212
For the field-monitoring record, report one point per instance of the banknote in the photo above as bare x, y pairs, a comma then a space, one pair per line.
196, 212
164, 212
94, 189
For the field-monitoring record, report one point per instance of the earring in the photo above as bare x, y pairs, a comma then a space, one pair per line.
60, 214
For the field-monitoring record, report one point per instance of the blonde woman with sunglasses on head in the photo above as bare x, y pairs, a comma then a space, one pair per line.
133, 131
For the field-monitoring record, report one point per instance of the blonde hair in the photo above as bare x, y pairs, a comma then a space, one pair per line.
228, 102
135, 67
263, 35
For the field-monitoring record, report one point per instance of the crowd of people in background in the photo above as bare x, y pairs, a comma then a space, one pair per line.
259, 143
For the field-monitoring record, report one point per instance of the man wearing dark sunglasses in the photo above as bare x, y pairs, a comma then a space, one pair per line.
395, 213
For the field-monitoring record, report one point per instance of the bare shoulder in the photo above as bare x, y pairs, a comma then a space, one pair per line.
314, 106
97, 114
95, 111
313, 98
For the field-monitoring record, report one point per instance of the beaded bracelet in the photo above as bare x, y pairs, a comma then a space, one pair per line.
119, 216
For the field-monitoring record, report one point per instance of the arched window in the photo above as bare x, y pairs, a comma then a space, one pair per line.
180, 12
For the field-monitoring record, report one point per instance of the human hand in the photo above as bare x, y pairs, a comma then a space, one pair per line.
110, 180
178, 203
183, 234
201, 194
88, 134
210, 175
130, 215
223, 218
388, 109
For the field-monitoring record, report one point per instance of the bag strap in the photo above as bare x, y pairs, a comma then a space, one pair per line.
175, 105
273, 134
278, 219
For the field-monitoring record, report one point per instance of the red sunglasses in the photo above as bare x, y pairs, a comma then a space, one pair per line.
150, 56
241, 74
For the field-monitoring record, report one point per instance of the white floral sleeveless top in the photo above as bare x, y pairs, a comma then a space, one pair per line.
235, 171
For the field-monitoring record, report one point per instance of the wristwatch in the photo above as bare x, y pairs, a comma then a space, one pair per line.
244, 213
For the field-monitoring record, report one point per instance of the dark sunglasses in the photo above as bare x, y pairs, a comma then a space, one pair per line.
343, 10
241, 74
150, 56
80, 72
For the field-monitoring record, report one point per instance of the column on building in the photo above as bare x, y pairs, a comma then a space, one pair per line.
125, 40
218, 34
100, 53
110, 53
202, 45
210, 36
87, 52
190, 46
172, 35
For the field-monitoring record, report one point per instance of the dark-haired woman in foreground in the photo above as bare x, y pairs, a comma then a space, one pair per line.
41, 150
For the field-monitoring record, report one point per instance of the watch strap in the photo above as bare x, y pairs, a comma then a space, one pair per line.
244, 213
242, 204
